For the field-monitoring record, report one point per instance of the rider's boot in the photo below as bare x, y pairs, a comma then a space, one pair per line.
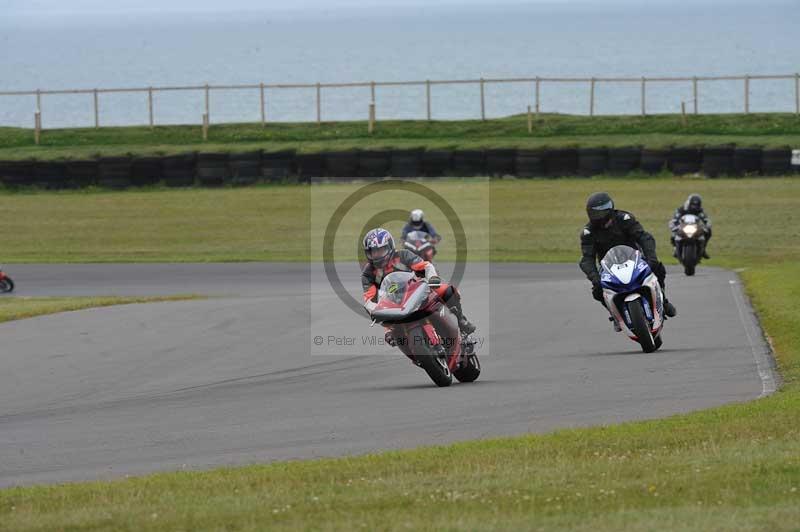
669, 309
464, 325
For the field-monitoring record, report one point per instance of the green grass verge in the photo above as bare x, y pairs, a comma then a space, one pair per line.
18, 308
550, 130
730, 468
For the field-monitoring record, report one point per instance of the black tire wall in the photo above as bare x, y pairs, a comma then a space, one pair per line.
216, 169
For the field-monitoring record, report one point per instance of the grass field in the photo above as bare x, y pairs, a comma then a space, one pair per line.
730, 468
773, 129
18, 308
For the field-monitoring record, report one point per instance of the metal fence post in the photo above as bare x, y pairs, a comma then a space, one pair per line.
263, 105
538, 92
483, 101
428, 97
38, 99
694, 93
96, 110
530, 121
747, 94
591, 97
319, 104
372, 91
644, 96
150, 106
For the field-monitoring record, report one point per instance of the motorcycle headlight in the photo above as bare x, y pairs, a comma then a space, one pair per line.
690, 230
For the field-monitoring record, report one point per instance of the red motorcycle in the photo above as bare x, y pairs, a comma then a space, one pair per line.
425, 329
6, 284
422, 244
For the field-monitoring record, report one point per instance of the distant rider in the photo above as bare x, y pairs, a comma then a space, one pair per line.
692, 205
607, 228
416, 222
383, 259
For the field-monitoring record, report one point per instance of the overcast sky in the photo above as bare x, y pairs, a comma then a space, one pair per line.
120, 6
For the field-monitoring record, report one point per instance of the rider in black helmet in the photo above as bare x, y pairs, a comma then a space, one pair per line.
692, 205
609, 227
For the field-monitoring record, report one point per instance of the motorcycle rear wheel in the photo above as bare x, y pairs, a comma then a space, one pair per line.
641, 328
470, 371
6, 285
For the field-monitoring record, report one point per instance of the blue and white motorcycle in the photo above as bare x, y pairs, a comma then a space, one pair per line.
633, 296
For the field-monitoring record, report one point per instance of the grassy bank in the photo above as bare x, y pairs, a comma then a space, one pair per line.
730, 468
772, 129
17, 308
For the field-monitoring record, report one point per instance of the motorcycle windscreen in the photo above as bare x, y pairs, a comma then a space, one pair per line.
417, 236
399, 297
622, 268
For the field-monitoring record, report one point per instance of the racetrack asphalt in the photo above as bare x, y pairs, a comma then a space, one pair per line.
236, 378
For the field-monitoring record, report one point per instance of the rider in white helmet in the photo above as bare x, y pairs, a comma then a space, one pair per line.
416, 222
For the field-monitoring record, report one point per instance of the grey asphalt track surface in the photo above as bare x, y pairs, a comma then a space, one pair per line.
235, 379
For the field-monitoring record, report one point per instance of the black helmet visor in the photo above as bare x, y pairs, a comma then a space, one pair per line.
600, 213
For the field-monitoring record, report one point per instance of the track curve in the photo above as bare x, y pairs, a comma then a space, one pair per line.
231, 379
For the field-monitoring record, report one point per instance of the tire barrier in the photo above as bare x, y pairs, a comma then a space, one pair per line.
437, 163
309, 165
51, 175
623, 161
653, 161
277, 166
718, 161
684, 161
373, 163
776, 161
17, 173
216, 169
469, 163
114, 172
146, 171
406, 163
746, 161
501, 163
178, 170
245, 168
561, 162
82, 173
529, 163
341, 164
592, 161
212, 169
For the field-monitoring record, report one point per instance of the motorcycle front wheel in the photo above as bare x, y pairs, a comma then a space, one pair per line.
641, 327
689, 258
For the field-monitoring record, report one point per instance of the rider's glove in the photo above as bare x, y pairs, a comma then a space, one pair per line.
597, 291
390, 339
434, 281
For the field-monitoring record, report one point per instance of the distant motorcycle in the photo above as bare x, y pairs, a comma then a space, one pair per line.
690, 241
633, 296
6, 283
425, 329
421, 243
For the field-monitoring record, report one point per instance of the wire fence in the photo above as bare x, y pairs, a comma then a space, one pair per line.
264, 92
